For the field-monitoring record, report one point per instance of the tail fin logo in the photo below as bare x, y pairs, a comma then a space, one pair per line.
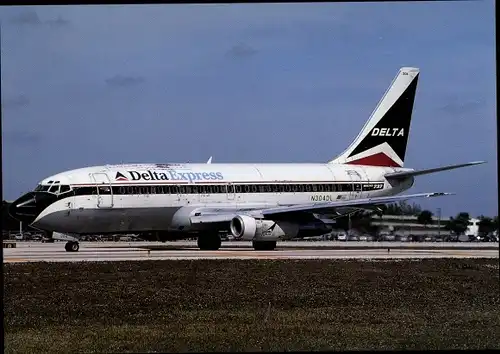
388, 132
120, 177
392, 128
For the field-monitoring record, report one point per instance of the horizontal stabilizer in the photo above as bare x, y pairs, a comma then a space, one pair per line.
406, 174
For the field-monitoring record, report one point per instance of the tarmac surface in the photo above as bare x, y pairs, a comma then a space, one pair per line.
132, 251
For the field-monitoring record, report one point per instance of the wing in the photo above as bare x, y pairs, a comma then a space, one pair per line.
292, 212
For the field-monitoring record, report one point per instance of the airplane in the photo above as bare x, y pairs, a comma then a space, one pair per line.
259, 202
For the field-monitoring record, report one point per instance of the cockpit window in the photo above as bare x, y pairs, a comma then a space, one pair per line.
53, 188
42, 188
64, 189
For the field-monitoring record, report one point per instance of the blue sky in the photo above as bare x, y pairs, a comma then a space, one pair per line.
89, 85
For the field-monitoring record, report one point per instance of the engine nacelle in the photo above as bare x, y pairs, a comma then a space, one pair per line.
245, 227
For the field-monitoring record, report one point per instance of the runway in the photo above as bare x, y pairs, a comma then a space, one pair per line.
133, 251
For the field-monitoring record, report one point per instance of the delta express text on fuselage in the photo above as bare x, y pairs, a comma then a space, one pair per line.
169, 175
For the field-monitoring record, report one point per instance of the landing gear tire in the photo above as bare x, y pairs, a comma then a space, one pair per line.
264, 245
209, 242
72, 246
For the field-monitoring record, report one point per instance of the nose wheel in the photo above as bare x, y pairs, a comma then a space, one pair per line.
72, 246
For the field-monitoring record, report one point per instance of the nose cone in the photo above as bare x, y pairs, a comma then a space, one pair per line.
30, 205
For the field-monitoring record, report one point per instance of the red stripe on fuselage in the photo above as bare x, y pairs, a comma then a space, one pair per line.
380, 159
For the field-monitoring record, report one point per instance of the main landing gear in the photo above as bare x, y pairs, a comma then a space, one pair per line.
209, 242
72, 246
264, 245
212, 242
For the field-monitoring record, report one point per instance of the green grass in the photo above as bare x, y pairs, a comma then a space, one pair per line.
231, 305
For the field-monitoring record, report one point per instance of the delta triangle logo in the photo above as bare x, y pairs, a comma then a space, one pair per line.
120, 177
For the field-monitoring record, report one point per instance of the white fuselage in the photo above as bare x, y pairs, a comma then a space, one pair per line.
149, 197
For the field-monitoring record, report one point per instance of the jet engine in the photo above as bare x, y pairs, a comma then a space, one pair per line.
244, 227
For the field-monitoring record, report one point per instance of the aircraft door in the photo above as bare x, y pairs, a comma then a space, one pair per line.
104, 191
69, 196
356, 179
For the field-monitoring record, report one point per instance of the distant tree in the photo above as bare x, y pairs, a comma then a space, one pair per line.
425, 217
361, 221
390, 209
458, 225
495, 222
486, 226
401, 208
413, 209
